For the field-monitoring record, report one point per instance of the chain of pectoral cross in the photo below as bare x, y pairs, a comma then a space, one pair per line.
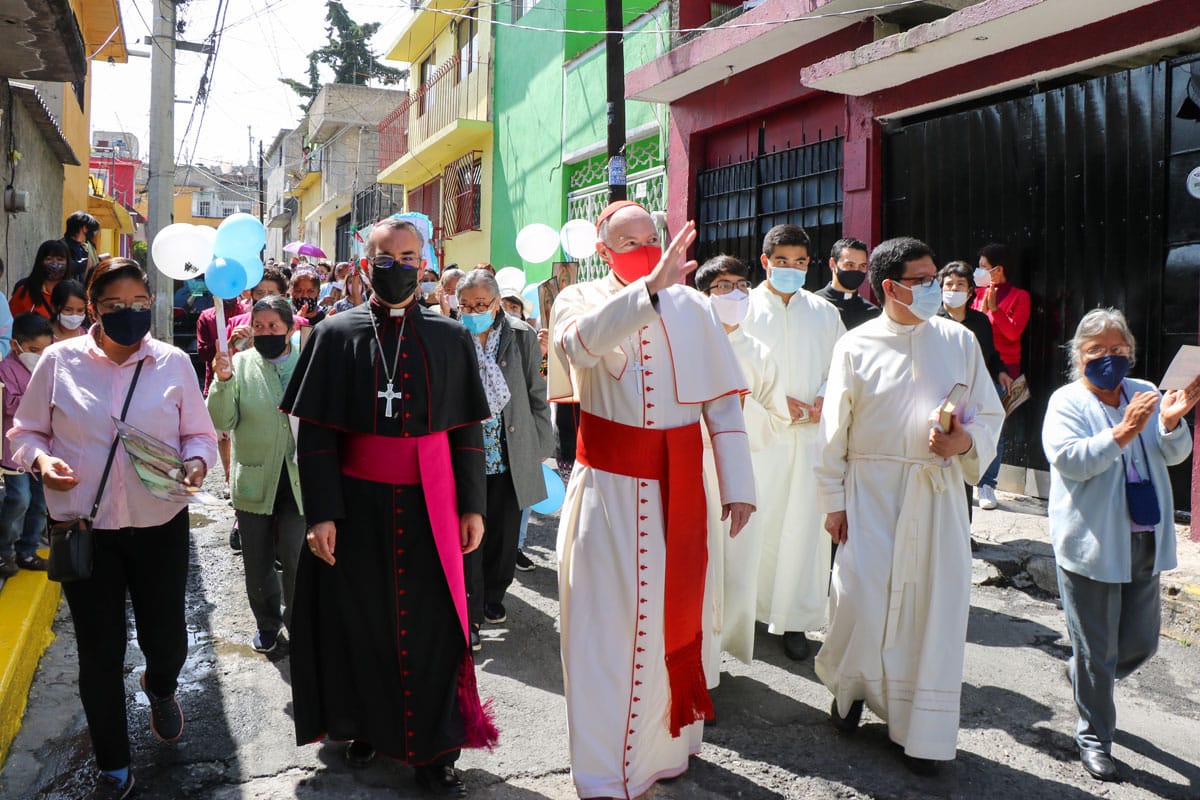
391, 393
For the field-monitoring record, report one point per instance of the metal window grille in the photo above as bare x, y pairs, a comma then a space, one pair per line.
648, 187
738, 203
461, 210
203, 208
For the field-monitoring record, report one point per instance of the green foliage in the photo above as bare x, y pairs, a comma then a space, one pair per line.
139, 252
348, 55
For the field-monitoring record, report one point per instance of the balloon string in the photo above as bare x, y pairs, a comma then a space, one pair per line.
222, 339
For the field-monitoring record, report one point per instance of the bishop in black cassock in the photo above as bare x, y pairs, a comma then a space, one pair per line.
391, 451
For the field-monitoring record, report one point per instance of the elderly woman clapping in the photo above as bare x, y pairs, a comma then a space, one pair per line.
1109, 440
515, 439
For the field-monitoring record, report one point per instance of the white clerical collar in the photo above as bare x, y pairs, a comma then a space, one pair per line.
847, 295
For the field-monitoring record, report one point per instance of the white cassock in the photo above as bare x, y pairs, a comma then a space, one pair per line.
793, 575
731, 589
901, 584
651, 369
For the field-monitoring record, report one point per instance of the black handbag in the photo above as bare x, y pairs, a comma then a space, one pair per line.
72, 544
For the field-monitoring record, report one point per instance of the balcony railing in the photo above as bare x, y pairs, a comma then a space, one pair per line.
450, 94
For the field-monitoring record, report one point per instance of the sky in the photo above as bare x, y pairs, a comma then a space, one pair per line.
263, 40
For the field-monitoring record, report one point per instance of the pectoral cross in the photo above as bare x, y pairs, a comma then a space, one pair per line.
389, 395
639, 374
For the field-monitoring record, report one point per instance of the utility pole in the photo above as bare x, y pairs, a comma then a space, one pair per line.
161, 184
614, 46
262, 190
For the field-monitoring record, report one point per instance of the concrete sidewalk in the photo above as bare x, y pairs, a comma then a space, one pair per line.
1013, 548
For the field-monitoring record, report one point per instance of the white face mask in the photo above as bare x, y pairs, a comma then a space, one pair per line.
926, 300
30, 360
954, 299
732, 308
452, 302
71, 321
983, 278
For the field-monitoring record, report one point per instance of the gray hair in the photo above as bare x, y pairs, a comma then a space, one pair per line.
1094, 323
481, 278
279, 305
393, 224
452, 274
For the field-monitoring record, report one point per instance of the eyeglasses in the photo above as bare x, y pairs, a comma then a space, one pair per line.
478, 308
923, 281
725, 287
387, 262
113, 306
1098, 350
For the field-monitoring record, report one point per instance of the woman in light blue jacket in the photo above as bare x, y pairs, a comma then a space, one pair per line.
1109, 440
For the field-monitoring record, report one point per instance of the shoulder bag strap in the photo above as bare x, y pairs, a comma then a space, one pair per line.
112, 451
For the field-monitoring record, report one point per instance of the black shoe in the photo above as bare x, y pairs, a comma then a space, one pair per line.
107, 787
235, 540
359, 754
442, 780
795, 645
494, 613
524, 564
848, 723
8, 567
166, 715
1100, 765
265, 641
476, 642
33, 562
925, 767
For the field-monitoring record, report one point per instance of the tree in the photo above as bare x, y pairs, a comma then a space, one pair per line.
348, 54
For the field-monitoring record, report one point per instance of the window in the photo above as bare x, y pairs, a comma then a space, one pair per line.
522, 7
425, 72
467, 38
463, 209
203, 208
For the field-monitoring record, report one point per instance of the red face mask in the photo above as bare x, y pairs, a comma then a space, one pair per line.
636, 263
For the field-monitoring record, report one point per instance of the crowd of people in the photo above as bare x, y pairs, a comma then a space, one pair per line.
382, 430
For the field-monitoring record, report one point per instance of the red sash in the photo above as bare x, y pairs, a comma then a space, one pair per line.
674, 458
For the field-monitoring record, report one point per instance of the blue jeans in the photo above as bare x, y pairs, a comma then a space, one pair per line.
22, 516
991, 474
524, 528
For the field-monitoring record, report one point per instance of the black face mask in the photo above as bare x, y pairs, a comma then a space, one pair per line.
302, 303
851, 278
270, 346
126, 327
395, 284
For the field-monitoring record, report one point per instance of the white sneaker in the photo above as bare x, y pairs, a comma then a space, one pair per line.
987, 498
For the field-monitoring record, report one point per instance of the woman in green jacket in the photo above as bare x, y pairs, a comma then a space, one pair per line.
265, 480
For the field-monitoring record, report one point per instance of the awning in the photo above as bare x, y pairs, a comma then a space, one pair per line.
111, 215
46, 122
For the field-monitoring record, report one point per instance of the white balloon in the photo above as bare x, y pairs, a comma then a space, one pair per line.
578, 238
537, 242
182, 252
511, 280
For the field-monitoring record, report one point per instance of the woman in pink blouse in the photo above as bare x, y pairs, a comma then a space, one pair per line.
63, 431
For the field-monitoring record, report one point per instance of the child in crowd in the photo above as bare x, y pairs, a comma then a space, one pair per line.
23, 513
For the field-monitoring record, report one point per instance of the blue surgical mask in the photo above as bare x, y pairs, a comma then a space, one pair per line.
1107, 372
926, 300
478, 323
787, 279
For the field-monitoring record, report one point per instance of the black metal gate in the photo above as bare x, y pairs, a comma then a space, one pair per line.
1078, 181
739, 202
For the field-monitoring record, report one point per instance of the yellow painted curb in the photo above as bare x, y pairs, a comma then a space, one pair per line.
28, 603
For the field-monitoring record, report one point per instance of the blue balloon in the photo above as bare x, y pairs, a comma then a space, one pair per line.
254, 271
531, 296
225, 278
556, 492
240, 237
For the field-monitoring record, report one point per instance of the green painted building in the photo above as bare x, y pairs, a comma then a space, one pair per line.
550, 162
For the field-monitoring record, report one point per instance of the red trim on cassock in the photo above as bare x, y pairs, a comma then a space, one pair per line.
674, 458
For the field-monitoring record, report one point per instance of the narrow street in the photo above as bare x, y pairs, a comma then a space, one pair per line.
772, 737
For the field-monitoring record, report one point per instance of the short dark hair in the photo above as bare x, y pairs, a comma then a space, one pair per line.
847, 244
960, 269
998, 255
80, 220
277, 304
29, 326
111, 270
889, 258
786, 236
716, 266
277, 277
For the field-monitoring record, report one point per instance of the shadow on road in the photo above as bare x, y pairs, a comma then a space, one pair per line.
989, 628
1156, 783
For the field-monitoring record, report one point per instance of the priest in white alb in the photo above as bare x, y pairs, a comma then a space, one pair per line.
646, 359
731, 589
889, 482
800, 330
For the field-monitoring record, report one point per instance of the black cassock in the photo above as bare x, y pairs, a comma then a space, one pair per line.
378, 649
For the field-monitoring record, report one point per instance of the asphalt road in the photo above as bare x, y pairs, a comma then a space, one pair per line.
772, 737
